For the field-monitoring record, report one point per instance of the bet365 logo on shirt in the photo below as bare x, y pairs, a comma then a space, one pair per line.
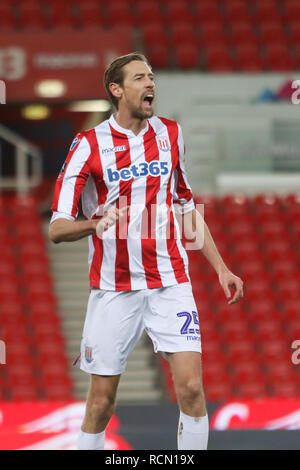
154, 168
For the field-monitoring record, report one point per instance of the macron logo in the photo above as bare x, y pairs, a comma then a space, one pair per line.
119, 148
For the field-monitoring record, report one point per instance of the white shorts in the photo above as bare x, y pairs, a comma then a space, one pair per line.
115, 322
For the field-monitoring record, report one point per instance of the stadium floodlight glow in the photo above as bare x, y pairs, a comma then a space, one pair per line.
50, 88
89, 106
35, 111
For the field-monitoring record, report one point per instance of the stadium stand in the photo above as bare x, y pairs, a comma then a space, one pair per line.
181, 34
246, 346
29, 321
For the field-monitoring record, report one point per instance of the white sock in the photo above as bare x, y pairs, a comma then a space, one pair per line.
87, 441
192, 432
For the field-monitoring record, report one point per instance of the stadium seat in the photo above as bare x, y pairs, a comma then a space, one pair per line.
241, 350
266, 10
212, 32
7, 19
251, 390
184, 33
90, 14
206, 12
119, 13
278, 58
31, 15
155, 34
187, 56
149, 12
23, 393
177, 11
284, 390
61, 15
218, 58
158, 55
218, 392
291, 10
236, 10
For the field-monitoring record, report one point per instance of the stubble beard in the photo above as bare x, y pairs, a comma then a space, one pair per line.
139, 113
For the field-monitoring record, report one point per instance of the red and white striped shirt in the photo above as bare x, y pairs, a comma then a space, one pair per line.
109, 164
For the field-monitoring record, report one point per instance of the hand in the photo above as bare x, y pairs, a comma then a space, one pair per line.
110, 217
227, 279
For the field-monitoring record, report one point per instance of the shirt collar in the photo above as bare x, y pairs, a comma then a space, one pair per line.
128, 132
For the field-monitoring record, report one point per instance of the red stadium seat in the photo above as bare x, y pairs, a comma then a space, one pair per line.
90, 14
263, 310
248, 368
291, 10
7, 19
271, 31
155, 34
187, 56
218, 59
218, 392
61, 15
178, 11
291, 309
24, 393
59, 392
277, 56
184, 33
212, 32
206, 12
236, 10
119, 13
265, 10
279, 372
158, 55
251, 390
284, 390
239, 351
31, 15
149, 12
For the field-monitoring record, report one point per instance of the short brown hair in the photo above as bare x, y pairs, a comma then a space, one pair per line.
114, 72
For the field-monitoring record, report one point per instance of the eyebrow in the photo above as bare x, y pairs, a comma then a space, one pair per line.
143, 75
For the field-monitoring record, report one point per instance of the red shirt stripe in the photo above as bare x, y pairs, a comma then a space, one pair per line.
149, 256
176, 259
123, 160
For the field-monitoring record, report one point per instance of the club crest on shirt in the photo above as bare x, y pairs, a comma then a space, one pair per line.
88, 354
163, 143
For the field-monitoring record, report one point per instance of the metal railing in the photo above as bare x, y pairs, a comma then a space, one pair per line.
23, 180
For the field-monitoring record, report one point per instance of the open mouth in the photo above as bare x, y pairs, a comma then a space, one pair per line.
148, 100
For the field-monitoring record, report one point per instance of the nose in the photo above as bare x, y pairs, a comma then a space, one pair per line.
150, 83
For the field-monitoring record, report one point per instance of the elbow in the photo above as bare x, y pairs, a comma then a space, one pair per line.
53, 235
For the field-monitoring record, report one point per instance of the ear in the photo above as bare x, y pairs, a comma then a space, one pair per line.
116, 90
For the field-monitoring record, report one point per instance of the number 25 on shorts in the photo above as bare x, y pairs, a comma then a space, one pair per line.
189, 318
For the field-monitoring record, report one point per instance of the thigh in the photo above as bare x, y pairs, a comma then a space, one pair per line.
186, 366
112, 328
171, 320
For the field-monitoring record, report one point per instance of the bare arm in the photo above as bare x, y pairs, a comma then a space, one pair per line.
196, 229
64, 230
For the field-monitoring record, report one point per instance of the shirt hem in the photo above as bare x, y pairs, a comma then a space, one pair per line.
153, 286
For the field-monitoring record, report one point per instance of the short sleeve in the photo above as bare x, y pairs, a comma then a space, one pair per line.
72, 179
183, 197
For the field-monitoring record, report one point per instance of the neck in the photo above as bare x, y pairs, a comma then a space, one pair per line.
126, 121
